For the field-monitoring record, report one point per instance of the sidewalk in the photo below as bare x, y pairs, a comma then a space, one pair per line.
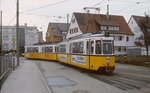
26, 78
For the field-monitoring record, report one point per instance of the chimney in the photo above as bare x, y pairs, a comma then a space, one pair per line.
107, 15
146, 18
25, 24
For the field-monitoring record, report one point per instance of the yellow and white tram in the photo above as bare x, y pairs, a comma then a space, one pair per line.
94, 52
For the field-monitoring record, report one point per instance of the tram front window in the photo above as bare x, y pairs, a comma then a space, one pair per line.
107, 48
98, 47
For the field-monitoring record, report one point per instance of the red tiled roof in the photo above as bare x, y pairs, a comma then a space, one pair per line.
90, 23
138, 43
142, 19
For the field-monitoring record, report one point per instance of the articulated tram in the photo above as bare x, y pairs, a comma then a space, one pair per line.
93, 52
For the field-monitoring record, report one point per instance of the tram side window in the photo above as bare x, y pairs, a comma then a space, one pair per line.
62, 48
49, 49
35, 50
28, 50
56, 49
87, 47
90, 47
98, 47
43, 49
77, 47
70, 48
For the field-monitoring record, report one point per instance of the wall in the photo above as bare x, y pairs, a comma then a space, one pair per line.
72, 26
136, 30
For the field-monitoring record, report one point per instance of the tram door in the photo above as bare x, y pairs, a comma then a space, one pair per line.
89, 49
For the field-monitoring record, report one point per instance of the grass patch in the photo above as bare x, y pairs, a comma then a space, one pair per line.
138, 60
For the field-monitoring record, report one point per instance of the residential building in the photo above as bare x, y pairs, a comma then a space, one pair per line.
27, 36
56, 32
40, 37
115, 25
140, 26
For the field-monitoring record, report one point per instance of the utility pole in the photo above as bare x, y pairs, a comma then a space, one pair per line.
1, 33
67, 21
17, 32
0, 30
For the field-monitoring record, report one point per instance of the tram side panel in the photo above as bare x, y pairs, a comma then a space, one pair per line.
50, 56
79, 60
62, 57
101, 62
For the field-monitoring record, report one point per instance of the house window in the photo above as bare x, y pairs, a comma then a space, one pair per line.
13, 30
127, 38
71, 31
103, 27
125, 49
119, 49
5, 36
73, 20
5, 45
30, 30
116, 48
114, 28
76, 30
120, 38
13, 36
6, 30
132, 22
31, 37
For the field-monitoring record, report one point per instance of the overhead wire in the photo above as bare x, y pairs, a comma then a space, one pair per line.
44, 15
39, 8
46, 6
12, 20
102, 2
136, 3
99, 3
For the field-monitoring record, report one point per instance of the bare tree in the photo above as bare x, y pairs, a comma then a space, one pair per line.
144, 24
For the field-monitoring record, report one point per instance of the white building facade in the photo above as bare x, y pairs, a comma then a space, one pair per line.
136, 27
27, 36
122, 34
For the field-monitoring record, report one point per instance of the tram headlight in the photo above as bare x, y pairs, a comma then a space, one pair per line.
108, 61
107, 58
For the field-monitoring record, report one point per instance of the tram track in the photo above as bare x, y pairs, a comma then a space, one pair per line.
123, 82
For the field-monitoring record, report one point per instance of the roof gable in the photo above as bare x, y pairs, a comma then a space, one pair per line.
58, 28
142, 19
91, 23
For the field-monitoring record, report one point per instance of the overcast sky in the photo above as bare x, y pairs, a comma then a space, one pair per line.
40, 12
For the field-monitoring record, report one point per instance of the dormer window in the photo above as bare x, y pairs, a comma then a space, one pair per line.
110, 28
103, 27
114, 28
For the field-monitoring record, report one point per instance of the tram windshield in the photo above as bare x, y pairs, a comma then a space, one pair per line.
107, 48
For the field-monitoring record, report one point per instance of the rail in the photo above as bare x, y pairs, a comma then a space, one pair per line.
6, 62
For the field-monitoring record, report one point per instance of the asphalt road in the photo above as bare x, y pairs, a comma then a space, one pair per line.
67, 79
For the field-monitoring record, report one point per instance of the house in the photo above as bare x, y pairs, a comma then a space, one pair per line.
116, 26
140, 26
56, 32
27, 36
